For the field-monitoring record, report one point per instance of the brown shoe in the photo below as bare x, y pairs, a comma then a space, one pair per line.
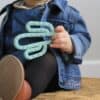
11, 77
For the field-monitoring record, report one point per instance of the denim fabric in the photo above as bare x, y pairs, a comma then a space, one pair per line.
57, 12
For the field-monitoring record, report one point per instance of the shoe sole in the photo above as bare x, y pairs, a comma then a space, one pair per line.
11, 77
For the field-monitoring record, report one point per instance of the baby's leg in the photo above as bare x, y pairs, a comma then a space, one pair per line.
12, 82
40, 72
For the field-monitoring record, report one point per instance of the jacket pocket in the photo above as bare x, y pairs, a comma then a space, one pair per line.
68, 25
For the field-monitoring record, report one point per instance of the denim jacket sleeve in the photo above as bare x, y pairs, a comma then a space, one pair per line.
18, 54
80, 36
2, 36
1, 44
2, 24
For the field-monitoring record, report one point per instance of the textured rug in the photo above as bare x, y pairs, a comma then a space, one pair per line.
90, 90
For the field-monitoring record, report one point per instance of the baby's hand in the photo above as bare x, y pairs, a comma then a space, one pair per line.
62, 40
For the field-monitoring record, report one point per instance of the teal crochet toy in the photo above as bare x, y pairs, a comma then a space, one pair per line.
35, 29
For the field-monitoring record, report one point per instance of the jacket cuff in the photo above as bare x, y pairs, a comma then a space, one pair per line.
76, 57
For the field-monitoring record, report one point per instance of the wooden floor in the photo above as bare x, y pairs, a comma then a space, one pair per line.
90, 90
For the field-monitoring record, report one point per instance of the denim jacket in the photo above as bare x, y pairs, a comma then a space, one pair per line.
58, 12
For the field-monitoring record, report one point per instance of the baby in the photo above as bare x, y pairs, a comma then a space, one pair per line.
58, 67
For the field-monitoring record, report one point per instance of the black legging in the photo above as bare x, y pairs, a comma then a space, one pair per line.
41, 73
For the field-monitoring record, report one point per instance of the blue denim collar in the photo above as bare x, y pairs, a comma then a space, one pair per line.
60, 4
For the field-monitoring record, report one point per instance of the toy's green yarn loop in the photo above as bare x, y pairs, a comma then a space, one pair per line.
35, 29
